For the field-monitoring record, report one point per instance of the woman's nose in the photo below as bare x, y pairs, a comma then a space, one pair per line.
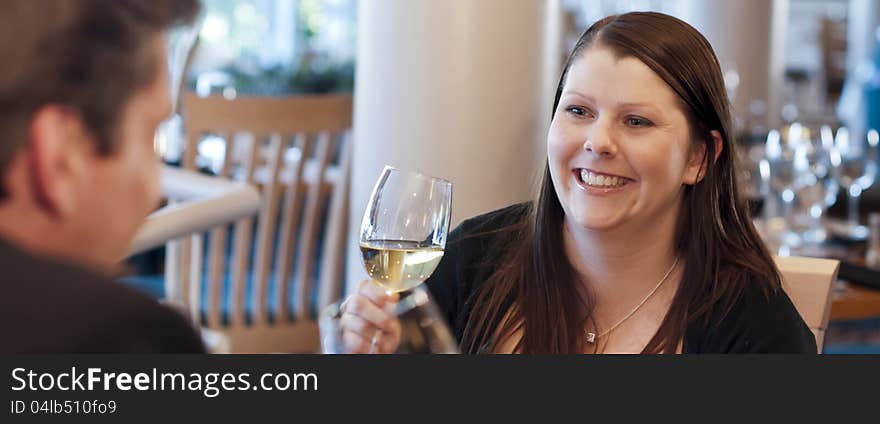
600, 142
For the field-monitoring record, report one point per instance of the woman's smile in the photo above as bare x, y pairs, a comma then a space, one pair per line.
598, 183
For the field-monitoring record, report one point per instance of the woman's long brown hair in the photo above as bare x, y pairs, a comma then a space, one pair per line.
535, 290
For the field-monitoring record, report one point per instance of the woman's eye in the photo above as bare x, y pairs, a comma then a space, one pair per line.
635, 121
577, 110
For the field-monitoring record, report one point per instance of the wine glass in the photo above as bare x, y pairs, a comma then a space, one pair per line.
872, 256
854, 164
403, 232
749, 177
826, 137
789, 172
402, 239
820, 189
404, 229
180, 47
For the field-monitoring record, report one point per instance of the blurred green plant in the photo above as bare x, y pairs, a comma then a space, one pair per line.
309, 76
315, 72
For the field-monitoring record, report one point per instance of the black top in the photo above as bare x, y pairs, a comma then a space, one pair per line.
47, 306
756, 324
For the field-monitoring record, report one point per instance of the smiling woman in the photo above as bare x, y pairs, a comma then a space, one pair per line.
638, 240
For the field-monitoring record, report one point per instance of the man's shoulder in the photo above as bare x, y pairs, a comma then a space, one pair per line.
51, 305
30, 280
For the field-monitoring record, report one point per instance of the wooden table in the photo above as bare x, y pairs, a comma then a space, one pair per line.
853, 325
850, 301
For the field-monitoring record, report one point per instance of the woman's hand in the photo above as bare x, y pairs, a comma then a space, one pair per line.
368, 322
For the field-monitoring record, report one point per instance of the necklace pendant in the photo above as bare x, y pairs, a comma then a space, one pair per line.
591, 337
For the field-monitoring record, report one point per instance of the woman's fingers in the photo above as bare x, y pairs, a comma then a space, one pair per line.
369, 312
391, 339
358, 343
368, 320
376, 293
358, 325
355, 343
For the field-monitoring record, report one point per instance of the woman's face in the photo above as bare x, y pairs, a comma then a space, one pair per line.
619, 146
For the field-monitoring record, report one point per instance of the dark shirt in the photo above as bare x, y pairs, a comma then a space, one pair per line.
48, 306
756, 323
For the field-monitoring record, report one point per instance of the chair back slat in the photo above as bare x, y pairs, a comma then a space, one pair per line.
332, 256
185, 250
173, 281
311, 221
266, 229
241, 254
244, 228
290, 217
217, 249
196, 246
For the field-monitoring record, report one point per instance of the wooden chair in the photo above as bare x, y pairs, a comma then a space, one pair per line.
293, 197
809, 283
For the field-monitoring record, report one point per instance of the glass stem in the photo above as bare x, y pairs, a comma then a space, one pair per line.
375, 341
771, 207
786, 219
853, 208
816, 219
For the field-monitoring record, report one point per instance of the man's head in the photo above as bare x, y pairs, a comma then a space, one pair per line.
84, 85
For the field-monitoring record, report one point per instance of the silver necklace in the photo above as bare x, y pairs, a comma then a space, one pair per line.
591, 336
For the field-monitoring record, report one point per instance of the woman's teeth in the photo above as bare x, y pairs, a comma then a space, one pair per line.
601, 181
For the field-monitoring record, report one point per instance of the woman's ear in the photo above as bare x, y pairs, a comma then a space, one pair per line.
698, 162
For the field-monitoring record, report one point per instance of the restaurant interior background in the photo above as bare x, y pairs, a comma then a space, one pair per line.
462, 90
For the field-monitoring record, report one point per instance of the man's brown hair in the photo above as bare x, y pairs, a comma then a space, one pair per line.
89, 55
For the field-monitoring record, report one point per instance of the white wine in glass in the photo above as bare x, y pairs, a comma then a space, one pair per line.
400, 265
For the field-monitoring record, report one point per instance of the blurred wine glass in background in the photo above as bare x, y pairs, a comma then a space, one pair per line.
854, 165
789, 172
819, 190
182, 41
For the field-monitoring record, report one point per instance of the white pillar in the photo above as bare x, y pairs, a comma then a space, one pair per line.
750, 35
863, 17
455, 89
